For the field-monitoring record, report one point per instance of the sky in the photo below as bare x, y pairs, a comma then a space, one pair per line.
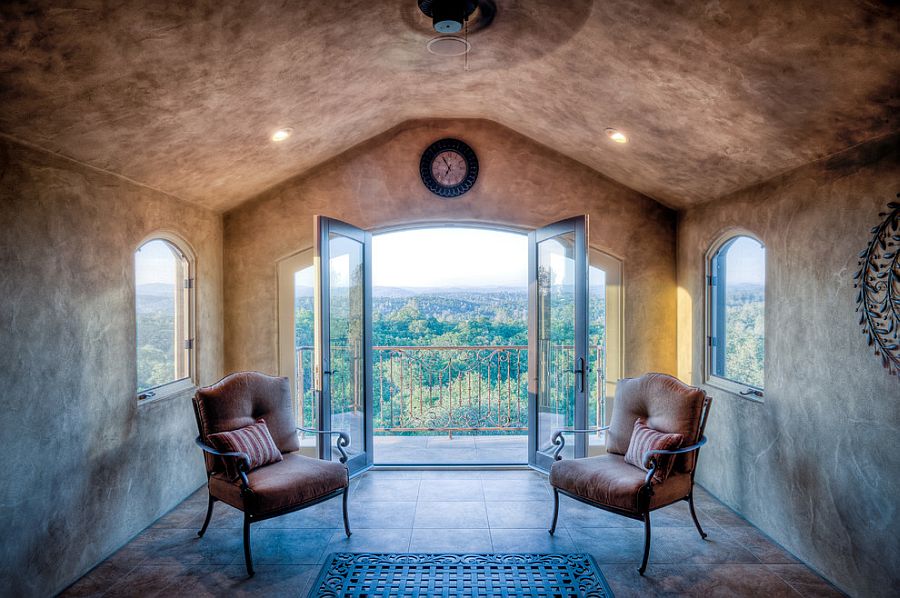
154, 262
452, 256
746, 262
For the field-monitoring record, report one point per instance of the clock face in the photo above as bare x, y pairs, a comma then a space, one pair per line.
448, 168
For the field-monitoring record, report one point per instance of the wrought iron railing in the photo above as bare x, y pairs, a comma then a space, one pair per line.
449, 388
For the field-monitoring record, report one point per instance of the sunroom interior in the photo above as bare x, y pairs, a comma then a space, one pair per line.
175, 178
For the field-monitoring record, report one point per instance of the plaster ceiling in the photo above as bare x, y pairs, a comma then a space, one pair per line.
714, 95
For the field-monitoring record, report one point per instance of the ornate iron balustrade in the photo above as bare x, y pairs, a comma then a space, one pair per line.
449, 388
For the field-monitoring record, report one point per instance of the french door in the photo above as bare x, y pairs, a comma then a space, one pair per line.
344, 339
557, 338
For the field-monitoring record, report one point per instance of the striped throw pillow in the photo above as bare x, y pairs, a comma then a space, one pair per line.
644, 439
254, 440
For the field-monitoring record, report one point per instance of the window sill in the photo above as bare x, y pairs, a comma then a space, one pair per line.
742, 391
177, 389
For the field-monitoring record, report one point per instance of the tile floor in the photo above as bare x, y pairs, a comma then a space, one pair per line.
450, 511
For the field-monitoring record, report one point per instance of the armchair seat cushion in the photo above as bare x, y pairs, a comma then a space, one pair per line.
609, 480
288, 483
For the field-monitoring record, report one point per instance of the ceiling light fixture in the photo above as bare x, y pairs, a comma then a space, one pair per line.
448, 16
617, 136
282, 134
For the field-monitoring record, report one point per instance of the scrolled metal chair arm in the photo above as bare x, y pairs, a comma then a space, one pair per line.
560, 441
243, 460
650, 458
343, 440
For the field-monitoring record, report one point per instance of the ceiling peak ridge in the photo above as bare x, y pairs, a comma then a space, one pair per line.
435, 122
66, 158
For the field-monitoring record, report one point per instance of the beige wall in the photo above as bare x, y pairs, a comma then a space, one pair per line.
815, 465
520, 183
85, 467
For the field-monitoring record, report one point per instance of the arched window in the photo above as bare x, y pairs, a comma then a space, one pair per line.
164, 283
736, 338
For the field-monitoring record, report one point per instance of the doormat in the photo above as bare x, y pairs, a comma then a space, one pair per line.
405, 575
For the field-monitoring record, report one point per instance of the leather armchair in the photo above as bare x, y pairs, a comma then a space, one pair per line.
295, 483
609, 483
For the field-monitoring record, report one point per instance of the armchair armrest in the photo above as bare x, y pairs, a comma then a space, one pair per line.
559, 440
243, 460
342, 441
651, 457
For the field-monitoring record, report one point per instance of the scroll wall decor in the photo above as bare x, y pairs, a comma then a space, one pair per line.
878, 281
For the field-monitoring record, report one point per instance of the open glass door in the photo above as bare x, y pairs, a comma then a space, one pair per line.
344, 339
557, 338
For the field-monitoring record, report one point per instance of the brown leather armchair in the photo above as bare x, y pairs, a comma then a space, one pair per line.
609, 483
292, 484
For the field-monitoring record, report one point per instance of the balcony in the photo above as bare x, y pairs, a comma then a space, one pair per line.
450, 404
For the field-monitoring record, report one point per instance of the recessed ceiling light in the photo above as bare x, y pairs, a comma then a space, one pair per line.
617, 136
282, 134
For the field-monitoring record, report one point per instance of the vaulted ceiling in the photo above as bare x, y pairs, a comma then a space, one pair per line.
714, 95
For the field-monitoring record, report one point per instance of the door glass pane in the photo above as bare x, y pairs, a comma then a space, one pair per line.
556, 339
306, 411
346, 319
596, 349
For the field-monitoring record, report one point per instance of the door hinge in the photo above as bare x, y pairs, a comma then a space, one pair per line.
711, 341
189, 343
189, 283
711, 281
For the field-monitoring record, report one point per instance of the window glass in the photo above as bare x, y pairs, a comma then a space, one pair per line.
304, 347
162, 315
737, 304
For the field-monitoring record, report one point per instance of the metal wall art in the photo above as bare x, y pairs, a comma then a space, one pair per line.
878, 281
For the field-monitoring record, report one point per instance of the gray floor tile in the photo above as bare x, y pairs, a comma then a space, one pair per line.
370, 540
806, 581
519, 514
450, 490
381, 514
700, 581
98, 581
531, 540
527, 489
289, 546
371, 488
393, 511
759, 544
458, 515
451, 540
451, 474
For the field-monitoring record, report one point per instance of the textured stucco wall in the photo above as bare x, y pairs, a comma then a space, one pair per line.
85, 467
520, 183
815, 465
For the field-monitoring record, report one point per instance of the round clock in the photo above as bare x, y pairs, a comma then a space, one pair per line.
448, 168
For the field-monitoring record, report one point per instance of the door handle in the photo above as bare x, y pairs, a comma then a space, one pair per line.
580, 373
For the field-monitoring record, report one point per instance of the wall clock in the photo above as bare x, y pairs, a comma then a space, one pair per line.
448, 168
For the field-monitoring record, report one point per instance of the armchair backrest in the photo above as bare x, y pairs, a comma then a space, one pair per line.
238, 400
666, 404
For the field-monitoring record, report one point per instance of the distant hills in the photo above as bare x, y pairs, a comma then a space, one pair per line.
155, 288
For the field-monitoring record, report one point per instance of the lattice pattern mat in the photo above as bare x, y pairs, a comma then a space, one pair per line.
368, 575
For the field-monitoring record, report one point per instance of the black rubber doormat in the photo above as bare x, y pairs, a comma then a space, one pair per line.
404, 575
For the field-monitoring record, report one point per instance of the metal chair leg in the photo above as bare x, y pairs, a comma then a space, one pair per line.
248, 559
555, 511
694, 515
346, 519
209, 511
643, 566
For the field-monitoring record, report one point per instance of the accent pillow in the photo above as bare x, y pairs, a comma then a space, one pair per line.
643, 439
255, 440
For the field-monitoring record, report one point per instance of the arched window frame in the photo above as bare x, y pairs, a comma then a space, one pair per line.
713, 307
186, 310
